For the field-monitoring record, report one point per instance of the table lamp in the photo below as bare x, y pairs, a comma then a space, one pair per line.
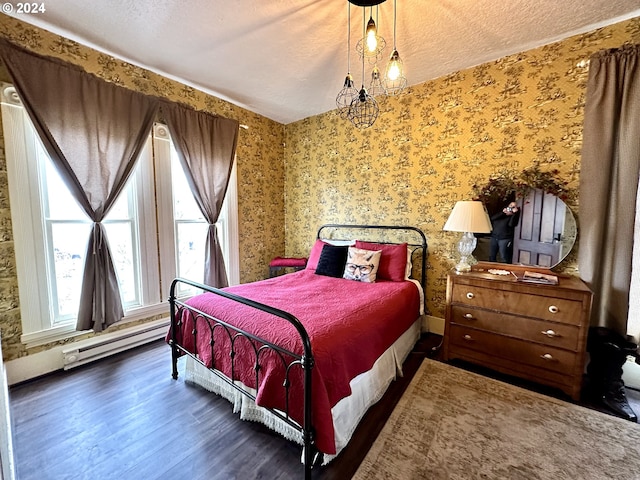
468, 217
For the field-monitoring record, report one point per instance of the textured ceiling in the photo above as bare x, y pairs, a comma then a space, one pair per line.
287, 59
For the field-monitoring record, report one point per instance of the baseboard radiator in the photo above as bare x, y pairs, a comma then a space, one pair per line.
101, 346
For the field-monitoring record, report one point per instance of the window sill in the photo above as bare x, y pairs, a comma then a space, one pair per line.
65, 332
55, 334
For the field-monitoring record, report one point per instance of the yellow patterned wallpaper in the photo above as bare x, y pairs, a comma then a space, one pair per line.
259, 159
429, 146
425, 151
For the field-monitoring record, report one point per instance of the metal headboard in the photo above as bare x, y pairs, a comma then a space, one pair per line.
420, 245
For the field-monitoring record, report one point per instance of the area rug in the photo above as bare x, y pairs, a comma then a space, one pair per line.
451, 424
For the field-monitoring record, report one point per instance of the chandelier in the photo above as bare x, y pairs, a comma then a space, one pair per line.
360, 106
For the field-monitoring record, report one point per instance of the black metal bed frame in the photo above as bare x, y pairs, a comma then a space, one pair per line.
260, 346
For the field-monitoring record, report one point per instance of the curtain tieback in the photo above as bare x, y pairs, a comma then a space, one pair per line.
97, 237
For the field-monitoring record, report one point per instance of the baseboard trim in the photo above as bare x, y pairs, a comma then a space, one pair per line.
48, 361
95, 348
434, 324
33, 366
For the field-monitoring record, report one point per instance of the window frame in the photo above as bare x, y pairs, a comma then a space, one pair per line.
154, 200
227, 223
23, 174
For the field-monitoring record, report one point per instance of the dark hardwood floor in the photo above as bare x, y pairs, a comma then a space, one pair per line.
125, 418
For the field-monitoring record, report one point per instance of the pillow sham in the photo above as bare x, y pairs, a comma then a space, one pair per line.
362, 265
393, 261
332, 261
314, 254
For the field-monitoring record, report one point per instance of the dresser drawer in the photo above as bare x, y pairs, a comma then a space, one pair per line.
522, 351
547, 308
557, 335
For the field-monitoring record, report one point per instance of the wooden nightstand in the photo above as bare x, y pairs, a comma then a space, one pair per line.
535, 332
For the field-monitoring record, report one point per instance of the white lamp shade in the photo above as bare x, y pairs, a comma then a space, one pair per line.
469, 216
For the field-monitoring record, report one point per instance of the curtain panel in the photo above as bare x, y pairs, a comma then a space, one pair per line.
609, 173
93, 131
206, 146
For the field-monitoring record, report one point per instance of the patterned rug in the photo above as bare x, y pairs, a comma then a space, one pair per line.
451, 424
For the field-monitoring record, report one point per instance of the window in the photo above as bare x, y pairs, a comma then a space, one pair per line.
181, 224
66, 230
190, 227
51, 231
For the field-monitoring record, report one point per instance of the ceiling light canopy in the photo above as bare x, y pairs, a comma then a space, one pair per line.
360, 106
370, 3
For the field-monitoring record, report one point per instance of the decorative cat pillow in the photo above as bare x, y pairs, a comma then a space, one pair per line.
362, 265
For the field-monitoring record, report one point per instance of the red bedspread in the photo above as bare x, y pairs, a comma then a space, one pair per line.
350, 325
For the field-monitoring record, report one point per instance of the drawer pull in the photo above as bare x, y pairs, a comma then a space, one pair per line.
469, 316
550, 333
547, 356
553, 309
470, 295
468, 338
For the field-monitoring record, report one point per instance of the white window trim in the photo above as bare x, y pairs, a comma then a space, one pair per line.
148, 244
34, 309
27, 226
164, 204
166, 235
231, 236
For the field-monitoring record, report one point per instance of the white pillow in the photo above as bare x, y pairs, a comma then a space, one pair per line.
408, 270
339, 242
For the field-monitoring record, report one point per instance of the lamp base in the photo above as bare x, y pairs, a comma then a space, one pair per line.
466, 246
463, 267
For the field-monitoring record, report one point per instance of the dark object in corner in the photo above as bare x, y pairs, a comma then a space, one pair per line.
608, 351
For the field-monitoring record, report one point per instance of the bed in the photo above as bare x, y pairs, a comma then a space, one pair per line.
307, 353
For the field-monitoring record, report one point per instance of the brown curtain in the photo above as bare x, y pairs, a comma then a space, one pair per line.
609, 182
206, 145
94, 131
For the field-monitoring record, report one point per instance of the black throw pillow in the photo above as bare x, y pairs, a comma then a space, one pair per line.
332, 260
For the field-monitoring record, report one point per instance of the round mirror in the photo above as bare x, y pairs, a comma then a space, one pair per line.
538, 230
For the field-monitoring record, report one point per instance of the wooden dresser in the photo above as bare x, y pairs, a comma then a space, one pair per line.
535, 332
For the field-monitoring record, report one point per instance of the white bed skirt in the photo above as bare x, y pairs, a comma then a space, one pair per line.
367, 388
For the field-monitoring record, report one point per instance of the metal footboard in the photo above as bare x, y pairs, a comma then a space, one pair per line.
260, 347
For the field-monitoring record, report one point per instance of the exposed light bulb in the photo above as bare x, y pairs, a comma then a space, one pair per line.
372, 35
394, 69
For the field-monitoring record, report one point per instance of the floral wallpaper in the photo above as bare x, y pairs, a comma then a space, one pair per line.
259, 160
430, 146
426, 151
